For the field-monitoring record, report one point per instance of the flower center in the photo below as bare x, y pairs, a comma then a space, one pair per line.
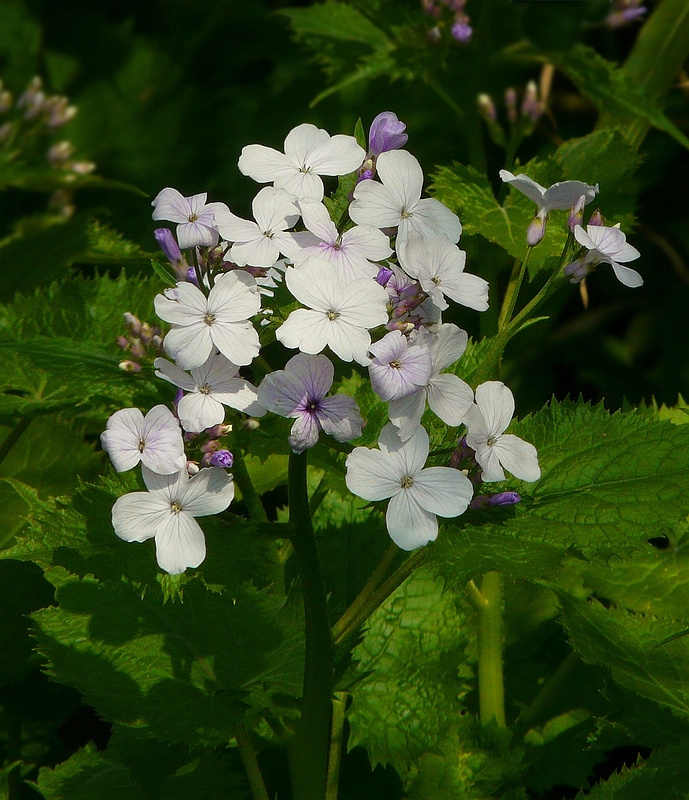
305, 169
312, 406
209, 319
490, 442
192, 217
407, 482
268, 234
395, 364
176, 507
205, 389
437, 280
332, 315
404, 214
142, 444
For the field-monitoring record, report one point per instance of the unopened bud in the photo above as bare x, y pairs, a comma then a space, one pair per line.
28, 96
576, 215
430, 8
122, 342
386, 133
531, 107
145, 333
578, 269
487, 107
597, 219
157, 342
191, 276
405, 327
251, 424
210, 446
511, 104
137, 348
536, 231
192, 468
483, 502
222, 458
59, 112
461, 30
82, 167
434, 35
384, 275
132, 322
60, 152
129, 366
219, 430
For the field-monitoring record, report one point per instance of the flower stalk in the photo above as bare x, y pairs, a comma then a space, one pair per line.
491, 688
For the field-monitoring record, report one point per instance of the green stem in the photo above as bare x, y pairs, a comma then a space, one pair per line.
512, 292
339, 704
13, 437
308, 749
365, 594
246, 751
246, 487
491, 689
550, 690
381, 595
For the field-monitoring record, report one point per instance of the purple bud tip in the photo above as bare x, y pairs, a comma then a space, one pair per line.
191, 276
505, 499
129, 366
535, 232
597, 219
168, 244
461, 31
218, 430
365, 175
387, 133
384, 275
122, 342
178, 397
222, 458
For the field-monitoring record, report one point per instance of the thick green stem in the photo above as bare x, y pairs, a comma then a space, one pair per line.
13, 437
308, 749
339, 704
246, 487
491, 689
365, 594
246, 751
557, 681
381, 595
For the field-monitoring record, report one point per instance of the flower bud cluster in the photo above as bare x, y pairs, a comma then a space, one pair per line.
624, 12
521, 119
142, 342
448, 14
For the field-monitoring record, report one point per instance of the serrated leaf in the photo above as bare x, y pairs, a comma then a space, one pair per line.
335, 20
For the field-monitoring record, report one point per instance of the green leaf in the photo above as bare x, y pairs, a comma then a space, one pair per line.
107, 246
165, 274
335, 20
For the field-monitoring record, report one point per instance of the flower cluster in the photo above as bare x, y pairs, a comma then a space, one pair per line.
367, 287
451, 13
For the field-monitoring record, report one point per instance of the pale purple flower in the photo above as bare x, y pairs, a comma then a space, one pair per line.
299, 392
399, 367
482, 502
605, 246
461, 30
384, 275
339, 312
309, 153
200, 324
154, 440
194, 217
166, 513
352, 252
210, 388
417, 495
222, 458
386, 133
260, 243
486, 423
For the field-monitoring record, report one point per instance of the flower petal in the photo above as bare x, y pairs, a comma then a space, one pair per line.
305, 329
138, 516
449, 397
305, 432
340, 417
208, 492
409, 525
180, 543
171, 372
369, 474
200, 411
626, 275
264, 164
171, 205
189, 345
442, 491
518, 457
496, 402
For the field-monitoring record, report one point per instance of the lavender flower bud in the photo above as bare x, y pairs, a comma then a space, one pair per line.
210, 447
191, 276
129, 366
511, 104
137, 349
578, 270
461, 30
386, 133
486, 107
365, 175
146, 333
576, 215
122, 342
618, 19
597, 219
405, 327
219, 430
60, 152
531, 107
483, 502
430, 8
82, 167
535, 232
434, 35
223, 459
28, 96
157, 342
132, 322
384, 275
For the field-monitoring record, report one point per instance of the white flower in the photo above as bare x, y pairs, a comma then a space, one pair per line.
486, 424
605, 246
339, 314
195, 217
397, 203
155, 440
417, 495
166, 512
299, 392
221, 320
309, 153
449, 397
439, 267
560, 196
351, 252
399, 366
260, 243
210, 387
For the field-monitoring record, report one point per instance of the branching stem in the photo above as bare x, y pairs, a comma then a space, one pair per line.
246, 751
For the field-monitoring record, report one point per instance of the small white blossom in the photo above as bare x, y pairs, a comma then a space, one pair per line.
260, 243
605, 246
339, 313
439, 267
417, 495
220, 321
210, 387
309, 153
194, 217
166, 512
399, 366
154, 440
486, 423
397, 203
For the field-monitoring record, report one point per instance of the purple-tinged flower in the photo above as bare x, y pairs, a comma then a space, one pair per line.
482, 502
299, 392
461, 30
384, 275
386, 133
191, 277
597, 219
168, 244
431, 9
222, 458
399, 367
605, 246
194, 217
624, 13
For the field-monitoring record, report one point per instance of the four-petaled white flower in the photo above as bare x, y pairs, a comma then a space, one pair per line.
449, 397
309, 153
397, 203
155, 440
605, 246
486, 423
166, 512
416, 494
399, 366
200, 324
339, 313
210, 387
439, 267
351, 252
299, 392
194, 217
260, 243
559, 197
